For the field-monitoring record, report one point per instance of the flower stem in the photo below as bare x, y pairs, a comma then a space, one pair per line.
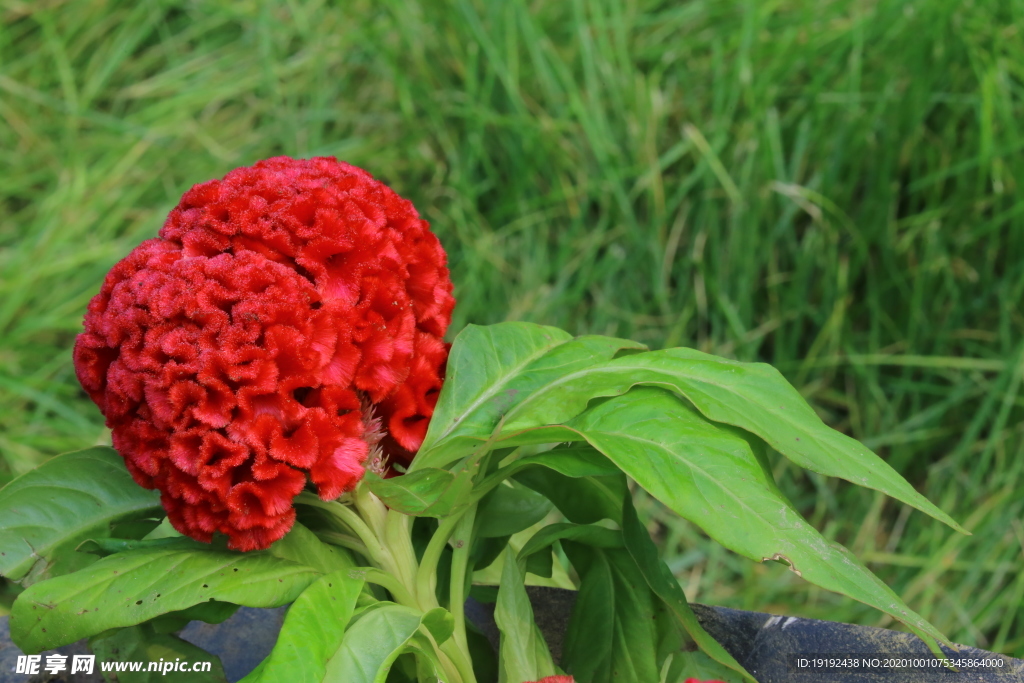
345, 541
460, 658
426, 576
398, 539
399, 592
460, 565
347, 516
384, 537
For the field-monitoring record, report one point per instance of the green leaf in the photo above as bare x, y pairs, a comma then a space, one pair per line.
131, 587
441, 624
571, 460
371, 646
587, 534
429, 666
301, 546
142, 644
708, 475
615, 630
583, 500
485, 663
612, 591
211, 612
587, 649
664, 585
509, 509
47, 512
429, 492
523, 655
491, 369
482, 361
752, 396
109, 546
582, 483
312, 632
688, 665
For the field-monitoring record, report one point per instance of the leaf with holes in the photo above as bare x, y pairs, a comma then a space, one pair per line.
312, 632
709, 475
46, 513
132, 587
752, 396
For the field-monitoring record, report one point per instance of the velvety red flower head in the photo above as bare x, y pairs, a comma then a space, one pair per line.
288, 318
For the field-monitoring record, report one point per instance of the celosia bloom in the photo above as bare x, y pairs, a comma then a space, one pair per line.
288, 318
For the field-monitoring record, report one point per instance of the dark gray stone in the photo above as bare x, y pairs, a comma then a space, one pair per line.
241, 642
765, 644
551, 610
9, 660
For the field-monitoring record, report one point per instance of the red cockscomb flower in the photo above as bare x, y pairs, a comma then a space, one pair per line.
288, 318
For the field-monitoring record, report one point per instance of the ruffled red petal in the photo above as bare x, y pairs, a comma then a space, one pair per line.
237, 354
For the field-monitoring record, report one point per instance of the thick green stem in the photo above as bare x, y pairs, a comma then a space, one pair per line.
399, 592
459, 657
384, 537
426, 576
347, 516
462, 543
371, 509
345, 541
398, 539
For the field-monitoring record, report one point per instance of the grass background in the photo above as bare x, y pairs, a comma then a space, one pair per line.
831, 187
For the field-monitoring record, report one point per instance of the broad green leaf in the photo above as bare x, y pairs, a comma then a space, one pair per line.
752, 396
586, 534
135, 528
440, 623
587, 649
491, 369
686, 666
523, 655
572, 460
482, 361
312, 632
301, 546
485, 661
109, 546
509, 509
132, 587
708, 475
583, 500
46, 513
429, 492
142, 644
371, 646
428, 663
664, 585
625, 647
582, 483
